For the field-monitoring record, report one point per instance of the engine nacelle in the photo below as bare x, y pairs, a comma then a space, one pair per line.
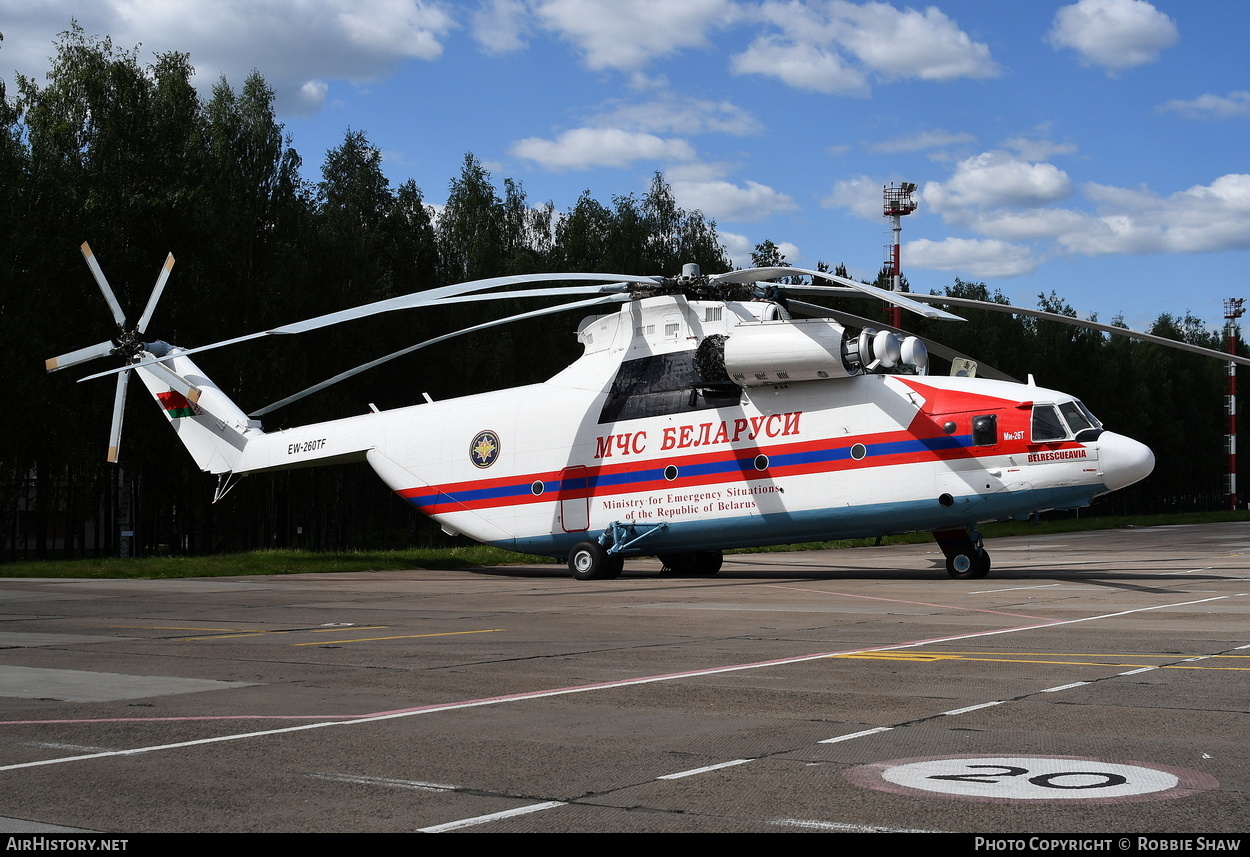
781, 352
785, 351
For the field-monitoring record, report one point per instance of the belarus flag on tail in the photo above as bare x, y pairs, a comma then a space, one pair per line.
177, 405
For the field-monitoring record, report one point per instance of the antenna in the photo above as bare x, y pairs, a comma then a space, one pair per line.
898, 202
1232, 311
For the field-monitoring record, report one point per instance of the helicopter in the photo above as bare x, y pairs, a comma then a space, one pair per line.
704, 414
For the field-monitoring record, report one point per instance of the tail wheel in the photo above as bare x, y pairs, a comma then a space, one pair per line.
590, 560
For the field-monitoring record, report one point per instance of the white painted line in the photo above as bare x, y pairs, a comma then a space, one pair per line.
1063, 687
694, 771
856, 735
1139, 670
494, 816
1239, 648
842, 827
1013, 589
416, 785
588, 688
974, 707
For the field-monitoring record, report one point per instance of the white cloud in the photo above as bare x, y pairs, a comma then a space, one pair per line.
1208, 106
1203, 218
1032, 223
311, 97
918, 141
975, 257
724, 200
737, 247
1036, 149
861, 194
628, 34
816, 43
995, 178
296, 44
673, 114
584, 148
801, 65
499, 25
410, 28
907, 43
1116, 34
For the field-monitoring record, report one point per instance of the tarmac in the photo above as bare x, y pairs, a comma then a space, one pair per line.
1094, 683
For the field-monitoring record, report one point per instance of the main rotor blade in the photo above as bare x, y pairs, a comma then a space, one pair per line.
175, 381
433, 296
342, 376
1091, 325
430, 297
944, 351
119, 410
161, 279
103, 283
756, 275
82, 355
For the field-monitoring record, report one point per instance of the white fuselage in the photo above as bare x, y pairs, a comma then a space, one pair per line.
542, 467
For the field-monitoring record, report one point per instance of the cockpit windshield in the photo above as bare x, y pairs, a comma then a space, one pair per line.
1064, 421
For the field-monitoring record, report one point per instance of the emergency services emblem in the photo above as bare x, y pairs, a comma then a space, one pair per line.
484, 449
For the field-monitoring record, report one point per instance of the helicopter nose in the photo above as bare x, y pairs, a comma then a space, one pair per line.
1123, 460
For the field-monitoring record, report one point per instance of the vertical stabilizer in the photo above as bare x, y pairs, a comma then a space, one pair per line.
211, 426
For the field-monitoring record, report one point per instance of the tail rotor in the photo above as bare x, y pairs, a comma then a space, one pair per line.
127, 345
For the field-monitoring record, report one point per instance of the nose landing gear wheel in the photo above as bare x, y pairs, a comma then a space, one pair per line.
968, 565
966, 557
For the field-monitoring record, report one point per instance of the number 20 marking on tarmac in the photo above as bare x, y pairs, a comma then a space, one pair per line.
1031, 778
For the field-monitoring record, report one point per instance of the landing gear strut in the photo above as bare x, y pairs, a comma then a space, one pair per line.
603, 558
966, 557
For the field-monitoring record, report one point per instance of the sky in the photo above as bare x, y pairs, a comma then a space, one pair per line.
1098, 149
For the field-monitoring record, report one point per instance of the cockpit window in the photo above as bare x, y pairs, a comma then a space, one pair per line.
1075, 417
1093, 420
1047, 426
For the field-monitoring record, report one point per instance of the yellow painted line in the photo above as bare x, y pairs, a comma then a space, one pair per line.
403, 637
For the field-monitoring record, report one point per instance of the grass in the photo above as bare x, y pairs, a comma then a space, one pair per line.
306, 562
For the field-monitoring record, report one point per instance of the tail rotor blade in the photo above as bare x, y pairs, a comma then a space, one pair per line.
119, 408
82, 355
161, 279
103, 283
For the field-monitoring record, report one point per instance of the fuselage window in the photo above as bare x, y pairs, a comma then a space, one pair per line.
1047, 426
985, 430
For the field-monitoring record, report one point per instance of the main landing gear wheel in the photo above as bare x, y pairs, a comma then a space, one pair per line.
591, 561
970, 564
700, 564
